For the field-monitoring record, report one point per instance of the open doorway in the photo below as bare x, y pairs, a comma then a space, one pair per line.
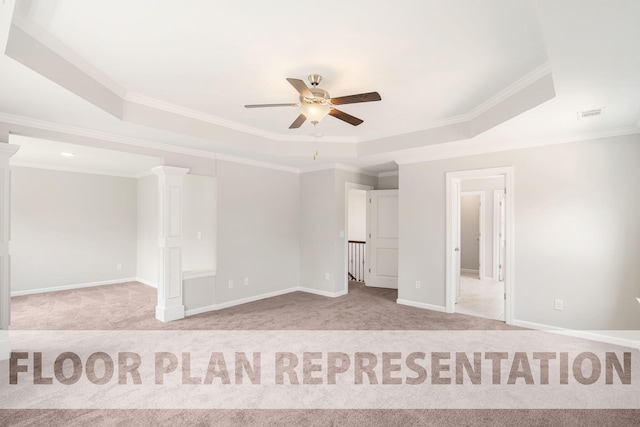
355, 233
479, 220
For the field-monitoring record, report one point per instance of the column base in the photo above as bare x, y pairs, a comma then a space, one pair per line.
5, 345
168, 314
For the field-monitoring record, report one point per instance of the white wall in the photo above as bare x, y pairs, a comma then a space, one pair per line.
258, 217
577, 231
147, 230
70, 228
357, 216
469, 231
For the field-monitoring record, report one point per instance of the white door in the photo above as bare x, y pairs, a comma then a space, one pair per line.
382, 239
456, 237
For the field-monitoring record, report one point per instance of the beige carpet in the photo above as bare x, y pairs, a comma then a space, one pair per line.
131, 306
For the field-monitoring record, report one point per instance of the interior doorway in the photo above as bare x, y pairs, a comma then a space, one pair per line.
479, 291
355, 233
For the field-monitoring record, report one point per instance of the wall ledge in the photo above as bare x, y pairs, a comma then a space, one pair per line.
196, 274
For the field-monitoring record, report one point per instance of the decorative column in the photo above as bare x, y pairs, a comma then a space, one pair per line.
6, 151
170, 305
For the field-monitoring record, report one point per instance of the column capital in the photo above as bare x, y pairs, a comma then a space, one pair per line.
7, 150
164, 170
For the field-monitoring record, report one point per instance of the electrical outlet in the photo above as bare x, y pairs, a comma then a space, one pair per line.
418, 284
119, 267
327, 276
558, 304
230, 284
246, 281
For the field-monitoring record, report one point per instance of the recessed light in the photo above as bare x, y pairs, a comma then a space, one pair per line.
67, 154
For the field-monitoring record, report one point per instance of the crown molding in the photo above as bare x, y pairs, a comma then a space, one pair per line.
337, 166
102, 136
389, 173
211, 119
471, 148
257, 163
515, 87
496, 99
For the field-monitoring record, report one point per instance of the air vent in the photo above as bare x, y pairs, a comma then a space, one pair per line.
589, 114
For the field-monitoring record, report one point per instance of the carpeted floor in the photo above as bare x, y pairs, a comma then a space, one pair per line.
132, 306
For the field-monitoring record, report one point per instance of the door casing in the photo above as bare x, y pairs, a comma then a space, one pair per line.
452, 213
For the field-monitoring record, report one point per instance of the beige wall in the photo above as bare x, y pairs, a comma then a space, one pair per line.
71, 228
576, 231
487, 186
469, 232
323, 217
258, 229
388, 182
147, 230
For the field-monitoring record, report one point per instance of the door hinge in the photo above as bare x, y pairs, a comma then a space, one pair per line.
369, 270
369, 200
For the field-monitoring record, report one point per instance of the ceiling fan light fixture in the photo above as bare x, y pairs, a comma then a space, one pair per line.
314, 112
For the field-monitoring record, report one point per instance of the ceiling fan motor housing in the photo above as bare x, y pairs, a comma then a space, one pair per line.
314, 79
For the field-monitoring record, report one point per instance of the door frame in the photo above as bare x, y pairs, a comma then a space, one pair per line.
508, 173
497, 194
481, 230
349, 186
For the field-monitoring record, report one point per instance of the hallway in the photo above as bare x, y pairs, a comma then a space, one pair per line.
481, 298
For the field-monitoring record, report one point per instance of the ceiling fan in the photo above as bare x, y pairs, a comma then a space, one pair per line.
315, 103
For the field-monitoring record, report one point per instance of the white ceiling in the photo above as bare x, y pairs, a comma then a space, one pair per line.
180, 73
36, 152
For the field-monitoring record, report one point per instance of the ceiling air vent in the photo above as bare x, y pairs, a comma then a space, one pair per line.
589, 114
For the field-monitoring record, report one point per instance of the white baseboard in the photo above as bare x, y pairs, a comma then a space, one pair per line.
380, 287
228, 304
322, 293
5, 345
169, 314
600, 336
438, 308
68, 287
146, 282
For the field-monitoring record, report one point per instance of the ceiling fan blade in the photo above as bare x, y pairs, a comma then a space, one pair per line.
298, 122
269, 105
301, 87
345, 117
352, 99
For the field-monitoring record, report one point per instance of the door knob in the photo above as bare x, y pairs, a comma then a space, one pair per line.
457, 249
